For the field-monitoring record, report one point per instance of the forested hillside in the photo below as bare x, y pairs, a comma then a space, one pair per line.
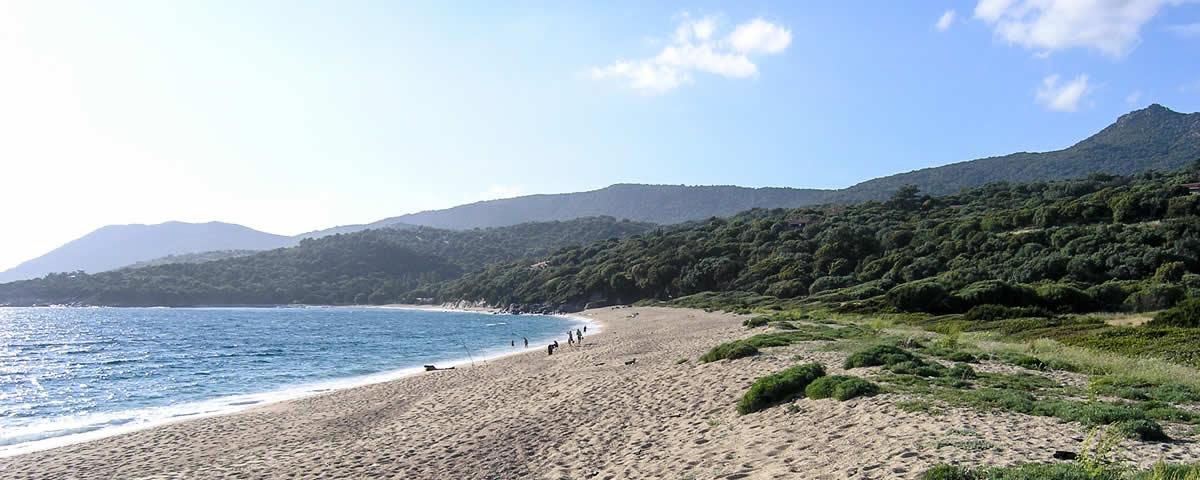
1153, 138
373, 266
662, 204
1097, 243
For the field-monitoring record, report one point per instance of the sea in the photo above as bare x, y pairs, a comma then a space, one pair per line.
75, 374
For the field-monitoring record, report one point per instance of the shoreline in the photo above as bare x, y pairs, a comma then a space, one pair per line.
243, 403
631, 403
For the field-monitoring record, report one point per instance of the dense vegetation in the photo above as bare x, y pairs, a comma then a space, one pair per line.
1099, 243
1153, 138
373, 266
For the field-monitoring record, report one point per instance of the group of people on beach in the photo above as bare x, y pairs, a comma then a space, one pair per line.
573, 338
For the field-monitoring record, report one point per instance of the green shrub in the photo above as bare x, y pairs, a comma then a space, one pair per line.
840, 387
1170, 272
1111, 295
997, 292
1145, 430
1186, 314
1155, 296
854, 387
1065, 298
921, 296
991, 312
729, 351
829, 283
878, 355
755, 322
823, 387
961, 371
1025, 361
778, 387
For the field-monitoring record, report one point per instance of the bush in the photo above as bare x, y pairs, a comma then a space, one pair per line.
823, 387
1112, 295
1065, 298
920, 296
1170, 272
1145, 430
729, 351
878, 355
997, 292
778, 387
1154, 297
854, 387
840, 387
1186, 314
759, 321
990, 313
829, 283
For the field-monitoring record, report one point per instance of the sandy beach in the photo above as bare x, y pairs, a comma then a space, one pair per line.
581, 413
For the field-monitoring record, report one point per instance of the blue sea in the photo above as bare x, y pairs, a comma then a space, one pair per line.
74, 374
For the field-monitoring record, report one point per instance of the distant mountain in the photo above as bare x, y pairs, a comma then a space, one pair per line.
373, 266
661, 204
1153, 138
117, 246
355, 228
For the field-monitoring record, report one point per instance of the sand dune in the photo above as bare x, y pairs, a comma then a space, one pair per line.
582, 413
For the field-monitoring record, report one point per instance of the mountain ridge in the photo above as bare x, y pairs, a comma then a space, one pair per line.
1151, 138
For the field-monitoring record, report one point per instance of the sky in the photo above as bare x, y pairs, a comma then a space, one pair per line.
293, 116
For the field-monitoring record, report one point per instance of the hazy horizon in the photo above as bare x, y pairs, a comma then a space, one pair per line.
294, 117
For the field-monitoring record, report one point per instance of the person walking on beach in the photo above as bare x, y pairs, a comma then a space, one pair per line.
585, 328
526, 341
550, 349
579, 336
570, 338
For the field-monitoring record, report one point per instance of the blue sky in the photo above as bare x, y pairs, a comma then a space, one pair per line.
294, 116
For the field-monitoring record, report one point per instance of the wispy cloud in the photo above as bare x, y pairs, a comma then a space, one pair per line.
1062, 97
946, 20
1185, 30
695, 48
1111, 27
1134, 99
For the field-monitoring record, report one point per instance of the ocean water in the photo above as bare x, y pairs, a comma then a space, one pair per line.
73, 374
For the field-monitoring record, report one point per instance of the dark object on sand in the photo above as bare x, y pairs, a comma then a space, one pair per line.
631, 362
1065, 455
598, 364
430, 368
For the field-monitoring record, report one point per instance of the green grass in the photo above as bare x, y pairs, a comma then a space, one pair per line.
778, 387
1130, 388
803, 333
1063, 471
1177, 345
919, 405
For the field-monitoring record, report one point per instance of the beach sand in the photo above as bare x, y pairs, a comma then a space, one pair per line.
581, 413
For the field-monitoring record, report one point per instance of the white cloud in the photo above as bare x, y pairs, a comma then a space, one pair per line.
760, 36
1109, 26
695, 48
1062, 97
1185, 30
1134, 99
946, 20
